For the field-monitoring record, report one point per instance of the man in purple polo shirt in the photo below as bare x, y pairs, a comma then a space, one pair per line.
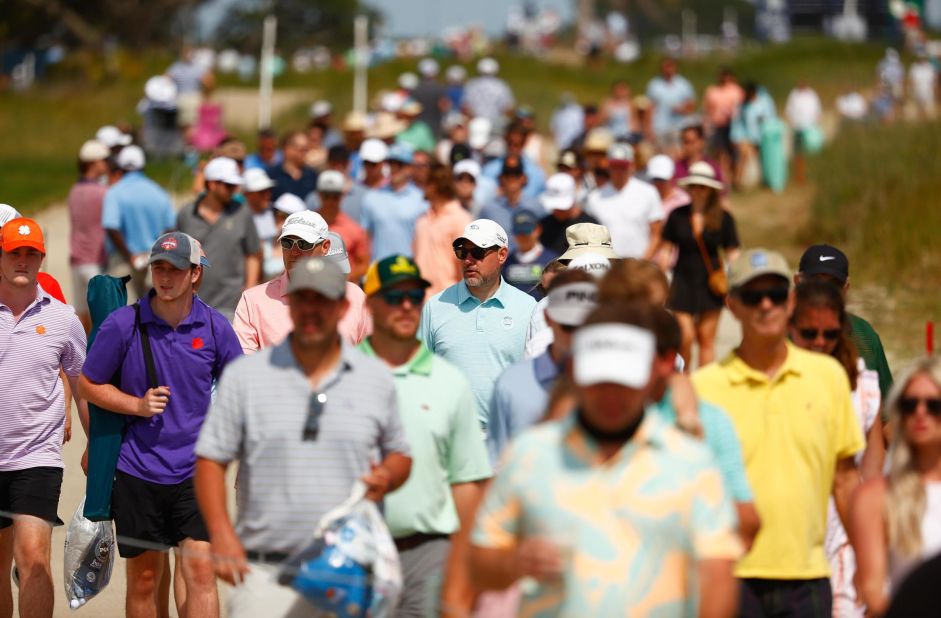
152, 499
39, 339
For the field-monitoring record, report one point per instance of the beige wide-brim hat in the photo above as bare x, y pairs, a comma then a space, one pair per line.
386, 126
588, 238
702, 174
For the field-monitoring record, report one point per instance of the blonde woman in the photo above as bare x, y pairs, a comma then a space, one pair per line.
896, 520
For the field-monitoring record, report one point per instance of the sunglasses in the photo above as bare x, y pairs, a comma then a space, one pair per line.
753, 298
288, 243
908, 405
568, 328
397, 297
478, 253
314, 412
830, 334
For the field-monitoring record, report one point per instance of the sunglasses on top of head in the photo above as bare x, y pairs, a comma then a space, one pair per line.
397, 297
752, 298
478, 253
908, 405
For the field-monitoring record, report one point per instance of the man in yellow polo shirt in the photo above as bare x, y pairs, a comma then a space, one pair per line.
794, 416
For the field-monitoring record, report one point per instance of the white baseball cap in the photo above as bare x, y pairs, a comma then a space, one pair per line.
484, 233
559, 193
594, 264
467, 166
613, 354
320, 108
455, 73
289, 203
256, 179
488, 66
428, 67
331, 181
620, 153
570, 304
660, 167
408, 80
131, 159
93, 150
160, 89
479, 132
337, 252
112, 136
222, 169
306, 225
7, 212
373, 150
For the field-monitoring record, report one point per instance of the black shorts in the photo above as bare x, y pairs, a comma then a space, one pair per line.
158, 516
807, 598
33, 491
721, 142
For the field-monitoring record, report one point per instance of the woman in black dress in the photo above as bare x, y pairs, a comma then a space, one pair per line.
695, 305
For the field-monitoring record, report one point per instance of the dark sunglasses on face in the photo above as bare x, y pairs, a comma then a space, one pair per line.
568, 328
830, 334
288, 243
908, 405
397, 297
478, 253
314, 412
753, 298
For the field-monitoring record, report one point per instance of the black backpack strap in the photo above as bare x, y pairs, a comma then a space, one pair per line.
148, 353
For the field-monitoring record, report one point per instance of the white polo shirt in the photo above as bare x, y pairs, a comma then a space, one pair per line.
627, 214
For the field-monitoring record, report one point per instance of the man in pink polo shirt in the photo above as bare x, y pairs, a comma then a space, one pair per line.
262, 318
40, 340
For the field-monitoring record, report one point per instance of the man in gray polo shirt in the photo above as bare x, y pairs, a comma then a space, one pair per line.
305, 420
226, 229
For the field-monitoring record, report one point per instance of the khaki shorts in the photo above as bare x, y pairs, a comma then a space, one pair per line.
81, 275
187, 106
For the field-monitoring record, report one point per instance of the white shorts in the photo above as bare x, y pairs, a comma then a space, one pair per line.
81, 275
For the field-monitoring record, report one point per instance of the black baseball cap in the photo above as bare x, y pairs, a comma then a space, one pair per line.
825, 260
524, 222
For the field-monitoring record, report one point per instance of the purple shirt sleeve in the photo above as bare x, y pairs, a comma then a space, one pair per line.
108, 350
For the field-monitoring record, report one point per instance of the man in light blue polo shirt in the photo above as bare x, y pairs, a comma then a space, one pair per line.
479, 324
522, 391
674, 102
135, 212
389, 214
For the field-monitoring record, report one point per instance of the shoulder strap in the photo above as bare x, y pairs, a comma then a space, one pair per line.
148, 353
702, 247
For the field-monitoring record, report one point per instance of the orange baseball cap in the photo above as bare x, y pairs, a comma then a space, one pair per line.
22, 232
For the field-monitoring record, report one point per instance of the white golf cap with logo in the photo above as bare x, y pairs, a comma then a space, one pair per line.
331, 181
306, 225
594, 264
484, 233
570, 304
223, 169
613, 354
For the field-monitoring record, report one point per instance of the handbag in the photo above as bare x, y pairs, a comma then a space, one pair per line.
718, 280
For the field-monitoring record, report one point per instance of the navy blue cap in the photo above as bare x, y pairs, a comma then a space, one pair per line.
524, 222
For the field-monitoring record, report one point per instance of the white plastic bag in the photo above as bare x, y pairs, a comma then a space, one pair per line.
89, 557
351, 568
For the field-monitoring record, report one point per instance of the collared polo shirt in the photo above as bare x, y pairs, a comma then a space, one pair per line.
263, 318
187, 359
47, 337
519, 400
667, 95
286, 484
719, 435
634, 526
535, 177
86, 236
137, 207
480, 338
794, 428
285, 183
389, 217
628, 213
440, 419
227, 243
435, 233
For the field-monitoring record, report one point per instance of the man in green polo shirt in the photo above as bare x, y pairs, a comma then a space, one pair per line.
440, 416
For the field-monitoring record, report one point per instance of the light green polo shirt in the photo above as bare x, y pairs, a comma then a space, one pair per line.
439, 413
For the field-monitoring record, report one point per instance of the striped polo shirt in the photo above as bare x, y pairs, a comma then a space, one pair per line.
286, 484
46, 338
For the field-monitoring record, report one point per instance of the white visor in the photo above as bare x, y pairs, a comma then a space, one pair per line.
613, 353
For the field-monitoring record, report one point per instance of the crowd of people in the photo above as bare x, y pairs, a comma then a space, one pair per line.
517, 359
